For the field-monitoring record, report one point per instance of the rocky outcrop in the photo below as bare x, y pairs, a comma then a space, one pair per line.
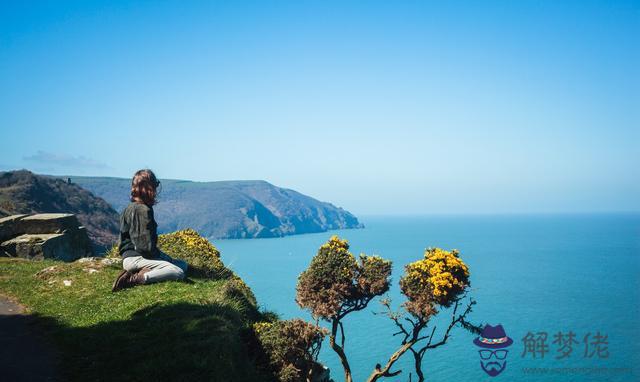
44, 236
22, 192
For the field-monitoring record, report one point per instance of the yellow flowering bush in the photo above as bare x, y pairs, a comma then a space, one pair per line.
202, 256
436, 280
335, 281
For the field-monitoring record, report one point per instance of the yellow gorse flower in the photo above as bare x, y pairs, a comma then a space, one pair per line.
193, 241
441, 272
188, 245
261, 327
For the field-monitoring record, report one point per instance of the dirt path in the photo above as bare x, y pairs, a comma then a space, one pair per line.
24, 355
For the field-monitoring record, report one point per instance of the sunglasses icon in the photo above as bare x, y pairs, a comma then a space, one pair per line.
487, 354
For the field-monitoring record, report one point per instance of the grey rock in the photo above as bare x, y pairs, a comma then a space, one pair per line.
48, 223
59, 246
44, 236
8, 226
88, 259
111, 261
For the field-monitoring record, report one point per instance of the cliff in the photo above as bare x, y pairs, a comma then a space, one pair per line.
230, 209
218, 210
200, 329
22, 192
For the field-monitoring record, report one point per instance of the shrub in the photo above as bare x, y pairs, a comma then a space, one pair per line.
235, 291
440, 279
335, 283
202, 256
291, 347
436, 280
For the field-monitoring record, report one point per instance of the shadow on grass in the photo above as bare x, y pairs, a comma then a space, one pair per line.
24, 354
180, 342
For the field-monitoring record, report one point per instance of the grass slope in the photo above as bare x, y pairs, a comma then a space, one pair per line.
194, 330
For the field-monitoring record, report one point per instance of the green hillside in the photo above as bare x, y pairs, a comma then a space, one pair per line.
229, 209
196, 330
22, 192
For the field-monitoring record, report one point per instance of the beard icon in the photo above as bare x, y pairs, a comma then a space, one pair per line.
493, 368
493, 342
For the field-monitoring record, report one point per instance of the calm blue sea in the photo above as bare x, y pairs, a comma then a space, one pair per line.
537, 273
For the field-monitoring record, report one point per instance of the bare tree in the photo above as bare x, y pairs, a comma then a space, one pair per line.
411, 329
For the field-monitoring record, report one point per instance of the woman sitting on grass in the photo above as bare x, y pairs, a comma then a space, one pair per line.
142, 261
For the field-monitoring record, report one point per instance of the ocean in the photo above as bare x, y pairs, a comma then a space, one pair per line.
536, 275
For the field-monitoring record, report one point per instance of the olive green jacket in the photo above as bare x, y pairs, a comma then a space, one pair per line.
138, 232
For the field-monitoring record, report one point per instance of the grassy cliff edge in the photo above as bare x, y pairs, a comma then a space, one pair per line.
200, 329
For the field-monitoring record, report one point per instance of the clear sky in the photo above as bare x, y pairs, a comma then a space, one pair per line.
376, 106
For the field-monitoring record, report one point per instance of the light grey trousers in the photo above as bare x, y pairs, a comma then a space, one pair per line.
162, 269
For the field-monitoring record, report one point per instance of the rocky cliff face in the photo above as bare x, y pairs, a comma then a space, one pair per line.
44, 236
22, 192
219, 210
230, 209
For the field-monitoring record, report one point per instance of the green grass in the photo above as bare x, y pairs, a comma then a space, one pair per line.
194, 330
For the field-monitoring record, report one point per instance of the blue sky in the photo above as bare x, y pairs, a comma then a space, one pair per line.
379, 107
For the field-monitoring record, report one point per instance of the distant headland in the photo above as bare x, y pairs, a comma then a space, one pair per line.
218, 210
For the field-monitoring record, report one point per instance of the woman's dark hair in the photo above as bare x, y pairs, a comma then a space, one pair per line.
144, 187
